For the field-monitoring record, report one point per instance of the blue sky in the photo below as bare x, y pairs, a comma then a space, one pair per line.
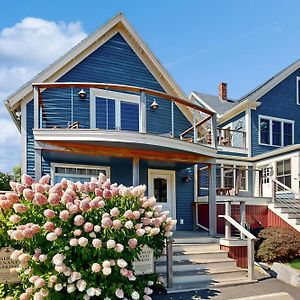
200, 42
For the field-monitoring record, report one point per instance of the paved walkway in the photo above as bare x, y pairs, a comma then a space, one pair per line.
268, 286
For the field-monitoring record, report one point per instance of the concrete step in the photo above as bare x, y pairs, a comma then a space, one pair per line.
195, 240
226, 263
293, 215
191, 248
207, 275
287, 210
192, 286
200, 257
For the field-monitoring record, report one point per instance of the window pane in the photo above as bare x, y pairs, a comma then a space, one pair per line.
264, 131
228, 176
280, 168
160, 189
129, 116
288, 134
276, 133
287, 166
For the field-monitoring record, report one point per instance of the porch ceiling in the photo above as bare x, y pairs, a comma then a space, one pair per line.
122, 144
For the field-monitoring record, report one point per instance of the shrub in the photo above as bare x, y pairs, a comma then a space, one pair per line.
78, 241
278, 244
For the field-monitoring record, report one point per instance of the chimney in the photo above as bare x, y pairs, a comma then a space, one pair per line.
223, 91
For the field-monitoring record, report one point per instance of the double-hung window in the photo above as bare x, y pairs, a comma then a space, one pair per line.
283, 169
275, 131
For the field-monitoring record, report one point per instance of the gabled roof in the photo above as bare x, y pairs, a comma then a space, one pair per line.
213, 103
266, 86
250, 99
65, 63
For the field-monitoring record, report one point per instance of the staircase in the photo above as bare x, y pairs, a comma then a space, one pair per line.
198, 263
286, 204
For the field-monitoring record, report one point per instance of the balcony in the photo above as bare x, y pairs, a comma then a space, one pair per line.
126, 118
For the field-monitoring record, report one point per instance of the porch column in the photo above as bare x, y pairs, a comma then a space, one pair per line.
212, 205
37, 148
37, 162
143, 110
214, 131
135, 171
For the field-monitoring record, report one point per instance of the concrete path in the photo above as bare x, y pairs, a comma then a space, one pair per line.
268, 286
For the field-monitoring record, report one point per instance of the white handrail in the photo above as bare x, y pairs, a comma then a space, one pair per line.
286, 187
250, 240
238, 226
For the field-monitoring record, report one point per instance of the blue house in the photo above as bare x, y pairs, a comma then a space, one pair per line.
108, 105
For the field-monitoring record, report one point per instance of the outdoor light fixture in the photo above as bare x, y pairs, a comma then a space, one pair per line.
82, 94
154, 105
187, 176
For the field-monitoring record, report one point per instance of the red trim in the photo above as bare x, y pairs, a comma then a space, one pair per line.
275, 221
238, 253
254, 213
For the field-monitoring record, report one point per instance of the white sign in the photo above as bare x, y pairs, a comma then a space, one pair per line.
7, 267
145, 262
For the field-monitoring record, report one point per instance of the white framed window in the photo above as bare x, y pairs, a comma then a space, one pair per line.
284, 172
275, 132
114, 110
76, 172
229, 176
298, 90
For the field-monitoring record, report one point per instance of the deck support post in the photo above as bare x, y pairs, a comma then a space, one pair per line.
227, 224
242, 216
212, 204
250, 254
214, 133
135, 171
37, 162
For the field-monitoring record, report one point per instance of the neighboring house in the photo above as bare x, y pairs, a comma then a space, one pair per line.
108, 105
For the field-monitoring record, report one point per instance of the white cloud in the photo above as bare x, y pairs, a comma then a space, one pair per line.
25, 49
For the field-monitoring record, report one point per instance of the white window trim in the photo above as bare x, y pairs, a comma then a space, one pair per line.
297, 90
235, 166
63, 165
107, 94
271, 130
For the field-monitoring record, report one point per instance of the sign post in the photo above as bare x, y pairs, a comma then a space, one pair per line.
8, 273
145, 262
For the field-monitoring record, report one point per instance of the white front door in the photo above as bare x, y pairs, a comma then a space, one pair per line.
161, 185
266, 183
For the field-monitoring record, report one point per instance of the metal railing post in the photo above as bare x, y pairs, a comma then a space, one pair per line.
169, 264
250, 252
227, 224
242, 216
273, 191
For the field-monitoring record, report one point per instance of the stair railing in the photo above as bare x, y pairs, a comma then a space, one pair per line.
285, 195
244, 234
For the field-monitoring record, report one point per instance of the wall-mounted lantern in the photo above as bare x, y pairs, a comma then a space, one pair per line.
82, 94
154, 105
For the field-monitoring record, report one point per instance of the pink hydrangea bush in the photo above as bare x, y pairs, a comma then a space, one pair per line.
78, 240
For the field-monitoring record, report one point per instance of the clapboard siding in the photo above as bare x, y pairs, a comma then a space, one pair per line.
113, 62
184, 199
280, 102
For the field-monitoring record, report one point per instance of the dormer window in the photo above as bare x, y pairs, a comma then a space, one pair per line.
275, 131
